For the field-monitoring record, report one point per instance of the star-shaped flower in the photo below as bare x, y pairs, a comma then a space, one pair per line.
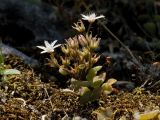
48, 48
91, 17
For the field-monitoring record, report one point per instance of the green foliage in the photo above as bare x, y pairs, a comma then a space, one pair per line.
78, 59
156, 18
150, 27
104, 113
93, 72
91, 89
9, 72
4, 72
75, 52
63, 71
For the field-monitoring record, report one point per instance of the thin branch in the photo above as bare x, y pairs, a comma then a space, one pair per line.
115, 37
49, 97
155, 84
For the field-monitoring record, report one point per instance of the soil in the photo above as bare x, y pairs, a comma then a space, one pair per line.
129, 49
27, 97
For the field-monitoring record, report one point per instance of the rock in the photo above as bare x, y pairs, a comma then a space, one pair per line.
124, 85
10, 50
27, 22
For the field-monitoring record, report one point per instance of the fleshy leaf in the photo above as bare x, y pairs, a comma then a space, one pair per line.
77, 84
83, 90
92, 73
90, 96
86, 97
149, 115
104, 113
156, 18
150, 27
107, 87
123, 118
98, 80
96, 93
9, 72
81, 66
63, 71
111, 81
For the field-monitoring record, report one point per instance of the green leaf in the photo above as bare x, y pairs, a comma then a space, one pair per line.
90, 96
83, 90
107, 87
86, 97
81, 66
104, 113
77, 84
98, 80
9, 72
156, 18
147, 115
96, 93
150, 27
97, 83
92, 73
144, 17
63, 71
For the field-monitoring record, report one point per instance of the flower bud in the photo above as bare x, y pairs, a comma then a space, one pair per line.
63, 71
79, 26
65, 49
83, 90
94, 44
82, 40
65, 61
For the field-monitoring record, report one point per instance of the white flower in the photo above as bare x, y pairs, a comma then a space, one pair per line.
48, 48
91, 17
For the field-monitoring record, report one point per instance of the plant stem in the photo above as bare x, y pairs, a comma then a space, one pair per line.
90, 24
115, 37
54, 60
49, 98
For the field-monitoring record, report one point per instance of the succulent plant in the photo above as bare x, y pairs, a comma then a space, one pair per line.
78, 60
77, 56
3, 71
94, 85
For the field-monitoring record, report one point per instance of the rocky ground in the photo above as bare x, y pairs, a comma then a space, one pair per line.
26, 96
41, 93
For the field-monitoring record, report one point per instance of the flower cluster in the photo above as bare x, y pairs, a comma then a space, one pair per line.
78, 60
78, 51
79, 54
79, 26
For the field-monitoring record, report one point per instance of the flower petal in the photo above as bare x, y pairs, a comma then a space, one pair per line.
101, 16
41, 47
56, 46
85, 16
44, 51
53, 43
47, 44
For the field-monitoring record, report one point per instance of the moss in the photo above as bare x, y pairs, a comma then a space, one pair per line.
25, 96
